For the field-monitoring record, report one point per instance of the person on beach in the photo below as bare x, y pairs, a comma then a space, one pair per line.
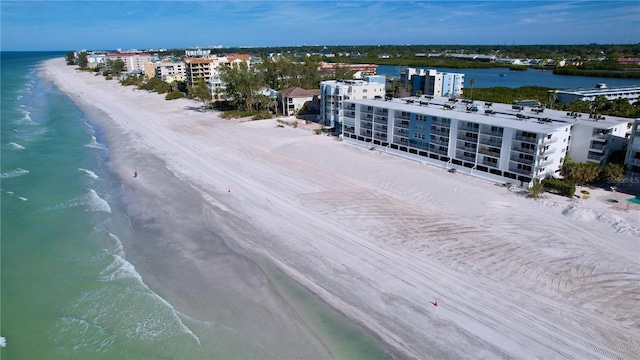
135, 174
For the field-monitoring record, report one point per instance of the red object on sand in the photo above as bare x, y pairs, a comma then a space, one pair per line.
229, 189
435, 303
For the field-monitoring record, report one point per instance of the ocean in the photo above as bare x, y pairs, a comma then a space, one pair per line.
69, 290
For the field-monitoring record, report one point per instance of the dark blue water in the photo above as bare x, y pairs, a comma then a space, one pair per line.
485, 78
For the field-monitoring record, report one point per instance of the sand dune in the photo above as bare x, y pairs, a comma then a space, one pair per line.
380, 238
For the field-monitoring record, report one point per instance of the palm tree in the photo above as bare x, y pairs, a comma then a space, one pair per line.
472, 82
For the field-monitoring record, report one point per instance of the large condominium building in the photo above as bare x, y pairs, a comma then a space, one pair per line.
500, 142
132, 61
334, 92
433, 83
633, 154
632, 93
198, 68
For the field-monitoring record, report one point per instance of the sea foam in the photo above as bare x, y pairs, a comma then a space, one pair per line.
16, 146
14, 173
3, 342
96, 203
90, 173
94, 143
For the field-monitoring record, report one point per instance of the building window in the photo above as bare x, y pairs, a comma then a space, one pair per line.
418, 136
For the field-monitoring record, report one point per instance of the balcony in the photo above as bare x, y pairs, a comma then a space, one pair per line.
490, 143
435, 150
439, 141
520, 171
546, 141
467, 138
465, 158
466, 148
439, 122
594, 157
490, 152
399, 116
531, 140
401, 124
401, 132
440, 132
548, 151
521, 160
523, 150
485, 162
543, 163
384, 112
492, 133
634, 161
400, 140
364, 125
473, 129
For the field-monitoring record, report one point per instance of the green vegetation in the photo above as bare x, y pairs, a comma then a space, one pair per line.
576, 70
506, 95
200, 91
174, 95
559, 186
155, 84
536, 190
70, 58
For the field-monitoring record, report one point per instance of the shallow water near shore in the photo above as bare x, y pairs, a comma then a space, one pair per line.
70, 289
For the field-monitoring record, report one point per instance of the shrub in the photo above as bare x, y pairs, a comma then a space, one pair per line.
536, 189
560, 186
318, 131
174, 95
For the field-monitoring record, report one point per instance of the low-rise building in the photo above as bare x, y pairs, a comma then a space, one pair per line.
632, 93
170, 70
295, 98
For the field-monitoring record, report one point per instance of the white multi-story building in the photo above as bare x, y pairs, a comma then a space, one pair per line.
594, 138
633, 154
132, 61
334, 92
499, 142
433, 83
632, 93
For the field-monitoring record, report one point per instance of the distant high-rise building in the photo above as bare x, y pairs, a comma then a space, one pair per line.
433, 83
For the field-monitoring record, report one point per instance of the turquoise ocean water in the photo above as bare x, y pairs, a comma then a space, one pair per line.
67, 289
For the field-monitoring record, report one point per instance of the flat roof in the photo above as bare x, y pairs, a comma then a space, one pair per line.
504, 114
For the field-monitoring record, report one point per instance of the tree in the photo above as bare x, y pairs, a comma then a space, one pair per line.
241, 85
71, 58
201, 91
613, 173
116, 67
472, 82
82, 60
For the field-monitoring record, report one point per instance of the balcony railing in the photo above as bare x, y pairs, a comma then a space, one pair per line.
521, 160
402, 132
543, 163
492, 133
528, 139
466, 148
490, 143
441, 123
547, 141
400, 140
634, 161
465, 158
594, 157
439, 141
437, 151
467, 138
489, 152
401, 124
523, 150
548, 151
520, 171
489, 163
440, 132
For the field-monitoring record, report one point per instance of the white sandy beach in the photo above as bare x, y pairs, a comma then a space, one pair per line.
378, 237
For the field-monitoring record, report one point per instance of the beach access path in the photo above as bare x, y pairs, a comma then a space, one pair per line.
382, 238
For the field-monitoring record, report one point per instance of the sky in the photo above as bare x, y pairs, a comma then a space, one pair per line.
106, 25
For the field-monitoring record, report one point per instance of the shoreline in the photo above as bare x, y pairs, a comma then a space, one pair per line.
380, 238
